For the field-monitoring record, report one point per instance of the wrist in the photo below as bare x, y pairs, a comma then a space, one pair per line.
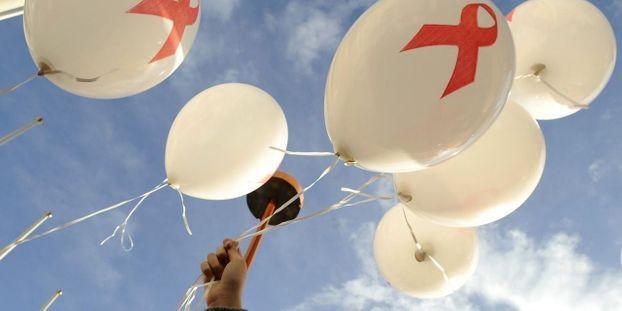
226, 301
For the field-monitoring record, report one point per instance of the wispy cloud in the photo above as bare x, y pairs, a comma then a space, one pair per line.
515, 272
313, 28
601, 168
222, 9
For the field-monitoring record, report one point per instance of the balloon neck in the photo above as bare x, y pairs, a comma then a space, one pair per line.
538, 69
173, 185
347, 160
44, 69
420, 255
405, 198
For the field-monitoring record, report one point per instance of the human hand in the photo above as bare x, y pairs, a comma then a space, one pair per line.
226, 265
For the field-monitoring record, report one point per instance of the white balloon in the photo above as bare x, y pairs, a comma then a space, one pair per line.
575, 43
128, 46
455, 249
219, 145
486, 182
10, 8
395, 102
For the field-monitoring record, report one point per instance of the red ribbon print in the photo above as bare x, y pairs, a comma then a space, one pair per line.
177, 11
467, 36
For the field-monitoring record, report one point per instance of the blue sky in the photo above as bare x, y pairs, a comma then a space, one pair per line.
561, 249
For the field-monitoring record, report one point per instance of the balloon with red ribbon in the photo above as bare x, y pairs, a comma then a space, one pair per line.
109, 49
413, 83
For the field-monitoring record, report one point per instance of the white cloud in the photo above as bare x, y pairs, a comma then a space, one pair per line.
601, 168
515, 272
313, 28
222, 9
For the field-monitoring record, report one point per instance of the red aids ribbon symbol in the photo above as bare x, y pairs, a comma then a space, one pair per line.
467, 36
177, 11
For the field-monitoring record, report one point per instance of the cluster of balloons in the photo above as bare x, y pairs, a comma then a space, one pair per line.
441, 93
444, 94
219, 145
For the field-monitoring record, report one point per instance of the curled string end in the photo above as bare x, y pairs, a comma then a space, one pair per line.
104, 241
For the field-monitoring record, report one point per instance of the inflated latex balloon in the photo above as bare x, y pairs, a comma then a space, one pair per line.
109, 49
565, 55
417, 271
486, 182
219, 146
413, 83
10, 8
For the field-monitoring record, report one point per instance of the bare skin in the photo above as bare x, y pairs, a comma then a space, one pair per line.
226, 265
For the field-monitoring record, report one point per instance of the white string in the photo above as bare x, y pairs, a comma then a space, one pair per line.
345, 202
18, 85
191, 293
47, 71
367, 195
183, 211
420, 248
294, 198
569, 102
410, 228
52, 300
123, 227
439, 267
20, 131
91, 215
306, 154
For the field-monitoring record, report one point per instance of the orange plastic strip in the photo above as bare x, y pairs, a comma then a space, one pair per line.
254, 245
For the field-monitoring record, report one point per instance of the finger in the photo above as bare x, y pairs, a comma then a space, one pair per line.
207, 272
215, 266
233, 250
222, 256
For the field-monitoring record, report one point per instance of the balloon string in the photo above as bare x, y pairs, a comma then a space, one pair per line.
569, 102
410, 228
91, 215
52, 300
367, 195
420, 248
77, 79
344, 202
294, 198
305, 154
5, 251
191, 292
20, 131
125, 236
45, 71
439, 267
18, 85
183, 211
